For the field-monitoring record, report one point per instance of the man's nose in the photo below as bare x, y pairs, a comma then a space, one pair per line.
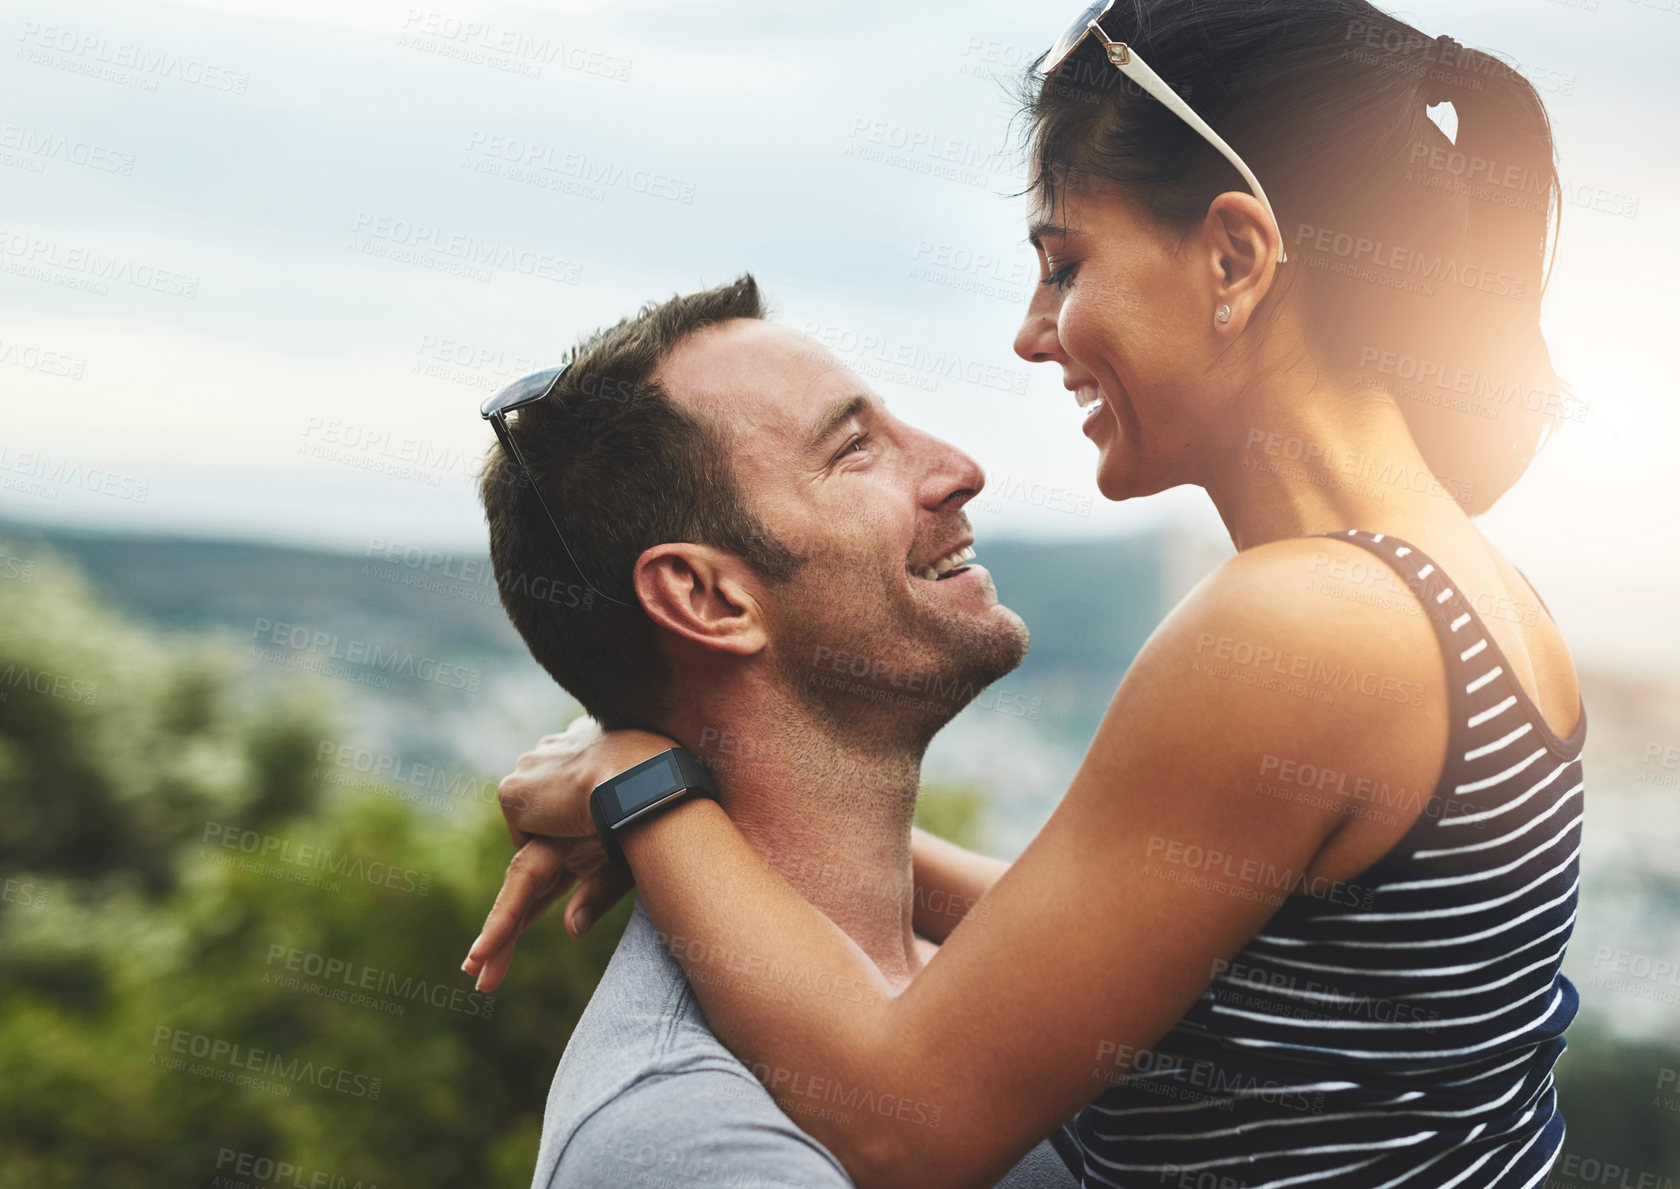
951, 479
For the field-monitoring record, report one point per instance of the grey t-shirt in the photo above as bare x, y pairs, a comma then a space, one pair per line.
647, 1098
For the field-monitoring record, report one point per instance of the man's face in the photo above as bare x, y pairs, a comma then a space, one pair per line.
875, 508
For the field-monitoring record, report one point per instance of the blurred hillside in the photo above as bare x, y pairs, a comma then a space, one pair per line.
1089, 605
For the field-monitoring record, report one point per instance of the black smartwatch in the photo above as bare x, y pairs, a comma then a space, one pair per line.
654, 784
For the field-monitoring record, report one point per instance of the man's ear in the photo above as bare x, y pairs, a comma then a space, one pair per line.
703, 595
1241, 243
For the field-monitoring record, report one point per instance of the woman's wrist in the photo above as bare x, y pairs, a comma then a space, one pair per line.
619, 751
679, 830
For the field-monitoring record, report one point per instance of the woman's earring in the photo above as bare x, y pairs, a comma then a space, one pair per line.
1222, 315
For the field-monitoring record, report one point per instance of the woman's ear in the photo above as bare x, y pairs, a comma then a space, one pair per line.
705, 595
1241, 245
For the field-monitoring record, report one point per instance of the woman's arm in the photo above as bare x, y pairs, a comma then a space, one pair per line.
949, 882
1161, 861
545, 802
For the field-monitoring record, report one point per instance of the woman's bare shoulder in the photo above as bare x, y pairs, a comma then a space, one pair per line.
1314, 596
1301, 653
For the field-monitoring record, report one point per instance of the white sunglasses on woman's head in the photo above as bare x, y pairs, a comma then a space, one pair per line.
1136, 69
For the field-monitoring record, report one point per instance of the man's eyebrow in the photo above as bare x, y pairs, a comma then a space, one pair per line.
842, 411
1037, 232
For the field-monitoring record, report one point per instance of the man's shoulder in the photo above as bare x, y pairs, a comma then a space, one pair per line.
646, 1095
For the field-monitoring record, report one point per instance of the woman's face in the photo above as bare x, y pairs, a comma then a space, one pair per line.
1127, 310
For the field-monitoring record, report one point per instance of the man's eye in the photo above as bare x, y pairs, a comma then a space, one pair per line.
1061, 276
855, 445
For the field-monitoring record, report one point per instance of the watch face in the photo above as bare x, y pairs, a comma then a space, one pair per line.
639, 788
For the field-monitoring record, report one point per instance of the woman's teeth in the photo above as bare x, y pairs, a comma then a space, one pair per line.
948, 563
1090, 398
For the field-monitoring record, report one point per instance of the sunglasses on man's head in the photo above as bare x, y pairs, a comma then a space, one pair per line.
495, 410
1126, 59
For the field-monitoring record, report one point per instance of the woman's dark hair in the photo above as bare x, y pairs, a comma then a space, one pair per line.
1421, 261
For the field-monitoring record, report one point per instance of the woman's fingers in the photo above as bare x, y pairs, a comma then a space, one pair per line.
545, 803
548, 790
538, 868
496, 967
544, 870
596, 894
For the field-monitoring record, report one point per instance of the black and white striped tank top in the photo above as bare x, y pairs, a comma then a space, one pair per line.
1401, 1030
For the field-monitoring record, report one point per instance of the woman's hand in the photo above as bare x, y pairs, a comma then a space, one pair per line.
545, 800
547, 792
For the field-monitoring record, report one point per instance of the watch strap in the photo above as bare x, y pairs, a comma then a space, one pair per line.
611, 817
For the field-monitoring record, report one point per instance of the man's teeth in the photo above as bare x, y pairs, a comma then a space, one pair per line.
948, 563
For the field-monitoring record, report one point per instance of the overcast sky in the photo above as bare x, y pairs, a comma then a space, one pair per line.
233, 299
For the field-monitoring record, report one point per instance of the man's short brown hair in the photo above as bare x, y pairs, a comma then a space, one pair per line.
623, 469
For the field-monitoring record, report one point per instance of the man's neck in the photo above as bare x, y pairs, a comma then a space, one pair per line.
828, 809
